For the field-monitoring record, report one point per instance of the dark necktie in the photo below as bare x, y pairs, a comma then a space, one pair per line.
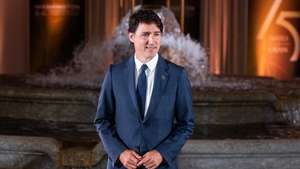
142, 89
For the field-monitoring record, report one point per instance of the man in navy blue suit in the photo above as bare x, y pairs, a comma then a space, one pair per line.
144, 113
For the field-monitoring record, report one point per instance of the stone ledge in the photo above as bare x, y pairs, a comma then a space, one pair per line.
80, 156
25, 151
242, 146
238, 107
19, 151
233, 96
70, 105
240, 154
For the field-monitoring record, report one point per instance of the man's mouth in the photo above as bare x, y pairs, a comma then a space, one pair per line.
150, 47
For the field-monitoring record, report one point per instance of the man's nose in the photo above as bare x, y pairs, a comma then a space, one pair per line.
151, 39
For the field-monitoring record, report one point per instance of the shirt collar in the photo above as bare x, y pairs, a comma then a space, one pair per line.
150, 64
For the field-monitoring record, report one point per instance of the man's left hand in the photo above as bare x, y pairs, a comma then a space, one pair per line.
151, 159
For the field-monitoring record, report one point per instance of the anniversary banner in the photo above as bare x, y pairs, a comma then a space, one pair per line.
275, 26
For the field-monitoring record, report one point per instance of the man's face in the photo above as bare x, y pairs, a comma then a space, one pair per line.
146, 40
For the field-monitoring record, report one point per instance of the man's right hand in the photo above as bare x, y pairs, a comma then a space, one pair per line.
129, 159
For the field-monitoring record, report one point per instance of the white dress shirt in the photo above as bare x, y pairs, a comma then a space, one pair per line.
150, 74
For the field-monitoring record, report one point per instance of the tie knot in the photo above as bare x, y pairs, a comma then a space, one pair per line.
144, 67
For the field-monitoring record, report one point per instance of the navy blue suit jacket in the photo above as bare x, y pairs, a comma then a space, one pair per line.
166, 127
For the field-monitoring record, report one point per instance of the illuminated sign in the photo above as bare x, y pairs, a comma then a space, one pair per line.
278, 41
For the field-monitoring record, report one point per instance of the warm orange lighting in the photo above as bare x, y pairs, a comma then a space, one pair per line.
261, 46
260, 59
56, 13
277, 42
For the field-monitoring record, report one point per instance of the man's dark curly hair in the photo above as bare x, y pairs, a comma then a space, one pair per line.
144, 16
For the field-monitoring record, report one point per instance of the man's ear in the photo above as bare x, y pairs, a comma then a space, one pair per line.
131, 37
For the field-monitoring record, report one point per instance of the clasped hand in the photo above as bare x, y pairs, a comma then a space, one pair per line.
131, 160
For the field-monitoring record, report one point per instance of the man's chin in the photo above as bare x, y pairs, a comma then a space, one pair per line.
152, 53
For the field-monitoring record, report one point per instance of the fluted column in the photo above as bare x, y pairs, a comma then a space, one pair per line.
225, 35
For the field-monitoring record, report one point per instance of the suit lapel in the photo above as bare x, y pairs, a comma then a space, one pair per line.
160, 81
131, 84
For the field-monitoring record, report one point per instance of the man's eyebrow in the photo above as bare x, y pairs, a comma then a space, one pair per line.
152, 32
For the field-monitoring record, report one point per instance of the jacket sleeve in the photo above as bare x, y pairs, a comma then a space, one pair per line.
104, 120
184, 125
